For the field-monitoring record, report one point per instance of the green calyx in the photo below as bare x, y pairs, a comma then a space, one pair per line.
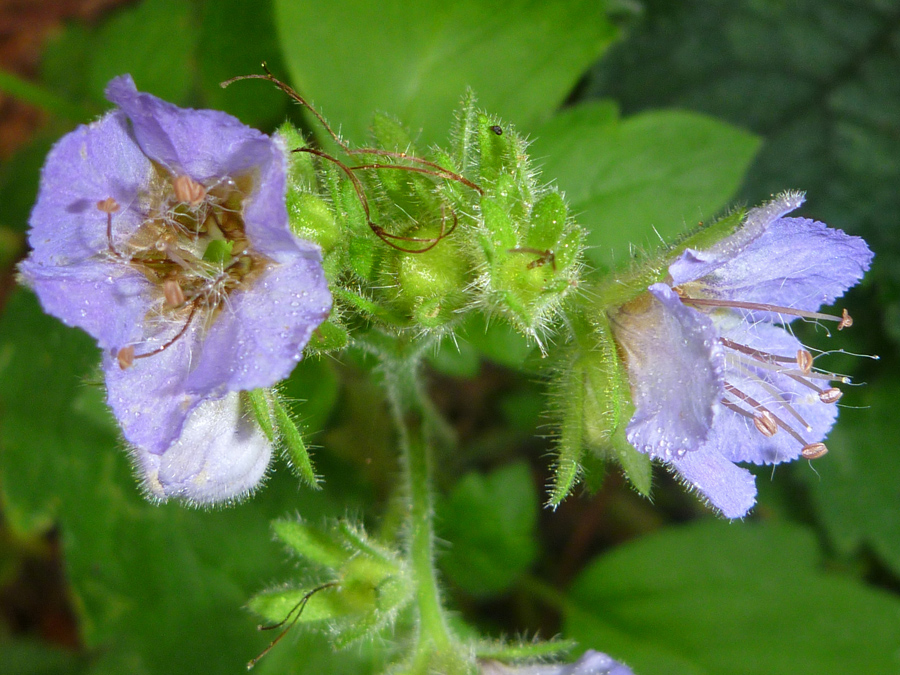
531, 248
412, 241
429, 286
365, 585
592, 391
592, 398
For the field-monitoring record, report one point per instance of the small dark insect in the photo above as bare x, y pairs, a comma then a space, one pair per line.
497, 129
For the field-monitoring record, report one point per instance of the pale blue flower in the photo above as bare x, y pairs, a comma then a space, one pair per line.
715, 378
163, 233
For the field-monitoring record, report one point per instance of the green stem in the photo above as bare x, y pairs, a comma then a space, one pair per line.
411, 413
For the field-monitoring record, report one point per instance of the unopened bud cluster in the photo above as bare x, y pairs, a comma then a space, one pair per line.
415, 241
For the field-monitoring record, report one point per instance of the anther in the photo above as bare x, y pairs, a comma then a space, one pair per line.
765, 423
832, 395
760, 408
188, 191
846, 320
173, 293
108, 205
804, 361
125, 357
813, 451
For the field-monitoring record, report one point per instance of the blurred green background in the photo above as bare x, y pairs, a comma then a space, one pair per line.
651, 117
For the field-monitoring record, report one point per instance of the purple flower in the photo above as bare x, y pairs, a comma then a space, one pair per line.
591, 663
714, 380
163, 233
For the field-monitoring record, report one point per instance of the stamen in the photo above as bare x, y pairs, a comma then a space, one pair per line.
844, 321
782, 401
765, 423
813, 451
756, 405
761, 355
804, 361
832, 395
830, 377
173, 293
168, 344
125, 357
109, 206
188, 191
813, 375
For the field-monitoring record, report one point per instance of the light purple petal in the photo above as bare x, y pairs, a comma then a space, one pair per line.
149, 398
258, 338
106, 299
693, 265
175, 405
86, 166
203, 144
674, 363
735, 436
210, 146
797, 263
727, 487
220, 456
265, 213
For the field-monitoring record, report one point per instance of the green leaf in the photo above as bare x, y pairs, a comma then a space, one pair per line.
235, 37
40, 97
320, 605
154, 41
25, 657
311, 393
19, 183
258, 401
314, 543
415, 60
512, 651
816, 78
496, 340
456, 358
570, 446
644, 178
157, 588
854, 487
65, 63
731, 600
489, 553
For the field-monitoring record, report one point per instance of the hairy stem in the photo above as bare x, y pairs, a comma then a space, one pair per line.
412, 413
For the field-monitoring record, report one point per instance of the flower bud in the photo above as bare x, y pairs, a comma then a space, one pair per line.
430, 285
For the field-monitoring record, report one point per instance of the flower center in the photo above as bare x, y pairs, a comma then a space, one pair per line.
192, 247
